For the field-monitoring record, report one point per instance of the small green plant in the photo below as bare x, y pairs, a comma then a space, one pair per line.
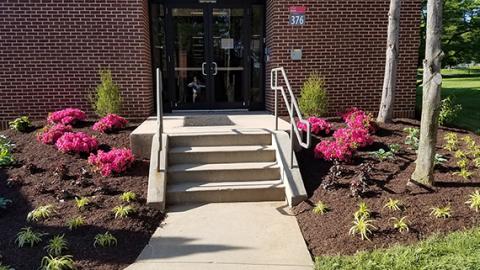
382, 155
5, 267
123, 211
476, 162
394, 148
448, 111
459, 154
57, 263
362, 227
105, 240
320, 208
6, 157
475, 152
363, 211
4, 203
474, 201
400, 224
21, 124
56, 245
439, 159
393, 205
451, 141
106, 99
28, 237
441, 212
464, 173
463, 163
412, 139
41, 212
5, 142
75, 223
128, 196
313, 99
81, 203
469, 141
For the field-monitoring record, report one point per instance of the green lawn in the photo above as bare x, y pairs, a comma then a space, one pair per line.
458, 250
466, 91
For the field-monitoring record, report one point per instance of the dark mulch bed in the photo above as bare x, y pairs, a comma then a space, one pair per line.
328, 234
32, 182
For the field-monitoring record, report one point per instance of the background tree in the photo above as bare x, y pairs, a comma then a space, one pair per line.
461, 32
432, 81
385, 113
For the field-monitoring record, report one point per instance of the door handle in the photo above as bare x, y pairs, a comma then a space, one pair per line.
215, 70
203, 68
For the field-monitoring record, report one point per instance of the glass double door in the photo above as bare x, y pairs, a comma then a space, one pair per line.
209, 47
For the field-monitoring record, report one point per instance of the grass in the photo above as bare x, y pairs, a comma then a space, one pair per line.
466, 91
457, 250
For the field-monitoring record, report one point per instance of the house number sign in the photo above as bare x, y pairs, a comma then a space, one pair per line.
297, 15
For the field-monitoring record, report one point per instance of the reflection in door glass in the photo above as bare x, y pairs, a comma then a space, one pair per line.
189, 57
256, 55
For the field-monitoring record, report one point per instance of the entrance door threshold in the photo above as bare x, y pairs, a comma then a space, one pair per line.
211, 111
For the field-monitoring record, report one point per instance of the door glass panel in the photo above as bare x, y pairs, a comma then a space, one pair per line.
228, 52
256, 55
189, 56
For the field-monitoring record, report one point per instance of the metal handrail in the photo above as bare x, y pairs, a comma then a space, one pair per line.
292, 108
159, 114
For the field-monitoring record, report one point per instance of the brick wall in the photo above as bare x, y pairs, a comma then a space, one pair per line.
50, 53
345, 41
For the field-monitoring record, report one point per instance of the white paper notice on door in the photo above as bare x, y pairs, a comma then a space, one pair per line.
227, 43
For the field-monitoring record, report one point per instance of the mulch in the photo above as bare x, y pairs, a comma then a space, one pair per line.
328, 234
35, 181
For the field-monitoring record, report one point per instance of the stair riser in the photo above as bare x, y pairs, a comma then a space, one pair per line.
233, 195
224, 175
221, 140
222, 157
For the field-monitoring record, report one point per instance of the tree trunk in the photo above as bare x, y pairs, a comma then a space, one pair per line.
432, 81
385, 113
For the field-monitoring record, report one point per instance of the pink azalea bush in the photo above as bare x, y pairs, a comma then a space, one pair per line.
110, 123
333, 150
318, 125
115, 161
50, 134
353, 137
356, 118
67, 116
76, 142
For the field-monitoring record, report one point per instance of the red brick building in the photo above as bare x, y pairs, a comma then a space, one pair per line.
214, 54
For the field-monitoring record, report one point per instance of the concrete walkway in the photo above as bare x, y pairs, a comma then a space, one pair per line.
227, 236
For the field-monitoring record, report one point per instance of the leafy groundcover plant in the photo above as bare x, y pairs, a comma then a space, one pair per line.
109, 123
50, 134
458, 250
67, 116
115, 161
77, 142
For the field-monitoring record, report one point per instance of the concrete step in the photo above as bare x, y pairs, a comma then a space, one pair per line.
221, 154
238, 191
225, 138
223, 172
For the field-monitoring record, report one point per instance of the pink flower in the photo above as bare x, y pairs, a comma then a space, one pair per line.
115, 161
317, 125
356, 118
353, 137
67, 116
333, 150
50, 134
110, 123
78, 142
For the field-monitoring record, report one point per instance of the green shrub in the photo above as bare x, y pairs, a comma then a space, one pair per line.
21, 124
106, 99
6, 157
105, 240
313, 99
448, 111
57, 263
28, 237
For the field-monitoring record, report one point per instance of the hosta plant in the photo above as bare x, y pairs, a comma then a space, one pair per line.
56, 245
363, 211
382, 155
57, 263
41, 212
67, 116
413, 137
109, 123
464, 173
115, 161
400, 224
21, 124
75, 223
4, 202
122, 211
394, 148
105, 240
362, 226
393, 205
128, 196
27, 237
318, 126
439, 159
81, 202
76, 142
441, 212
474, 201
451, 141
50, 134
6, 156
320, 208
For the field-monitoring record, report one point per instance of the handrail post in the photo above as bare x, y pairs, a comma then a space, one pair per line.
276, 99
292, 127
159, 114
